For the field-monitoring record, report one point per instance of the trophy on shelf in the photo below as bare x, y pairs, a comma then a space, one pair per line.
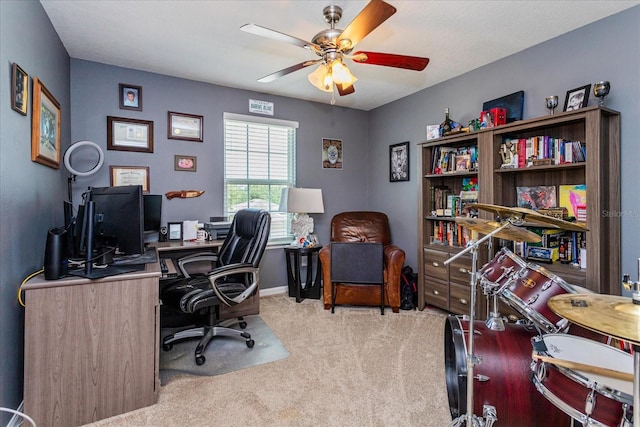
552, 103
601, 89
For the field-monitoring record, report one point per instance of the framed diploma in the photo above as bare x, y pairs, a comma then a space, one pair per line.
130, 175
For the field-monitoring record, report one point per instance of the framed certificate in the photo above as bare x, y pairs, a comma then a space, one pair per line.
187, 127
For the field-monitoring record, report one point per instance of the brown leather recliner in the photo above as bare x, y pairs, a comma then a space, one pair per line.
362, 226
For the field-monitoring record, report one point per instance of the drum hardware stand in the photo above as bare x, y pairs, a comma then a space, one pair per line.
634, 287
489, 415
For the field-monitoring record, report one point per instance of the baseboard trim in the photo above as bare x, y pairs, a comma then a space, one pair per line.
274, 291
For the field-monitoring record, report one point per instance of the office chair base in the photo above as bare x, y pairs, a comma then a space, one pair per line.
206, 333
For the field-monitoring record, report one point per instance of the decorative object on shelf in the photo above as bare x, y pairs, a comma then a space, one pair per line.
301, 202
433, 132
45, 127
448, 126
130, 175
125, 134
331, 153
513, 103
552, 103
601, 89
474, 124
174, 231
183, 194
187, 127
130, 97
499, 116
537, 197
20, 90
399, 162
185, 163
486, 121
577, 98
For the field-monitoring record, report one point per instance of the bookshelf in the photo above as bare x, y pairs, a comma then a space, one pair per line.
594, 131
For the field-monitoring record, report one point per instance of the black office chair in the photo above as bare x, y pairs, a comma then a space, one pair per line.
233, 279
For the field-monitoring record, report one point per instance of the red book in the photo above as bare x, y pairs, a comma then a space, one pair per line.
522, 153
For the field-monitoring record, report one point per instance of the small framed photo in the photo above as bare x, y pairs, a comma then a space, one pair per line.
129, 134
331, 153
187, 127
130, 175
130, 97
577, 98
45, 127
174, 231
20, 93
185, 163
463, 162
433, 132
399, 162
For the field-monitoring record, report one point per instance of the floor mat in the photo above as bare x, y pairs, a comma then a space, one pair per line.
223, 354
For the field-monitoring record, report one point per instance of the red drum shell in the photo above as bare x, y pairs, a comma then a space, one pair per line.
506, 360
528, 293
501, 268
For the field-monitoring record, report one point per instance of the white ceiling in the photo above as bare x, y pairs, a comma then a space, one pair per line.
202, 40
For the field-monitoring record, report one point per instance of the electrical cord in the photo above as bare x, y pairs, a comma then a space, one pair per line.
29, 277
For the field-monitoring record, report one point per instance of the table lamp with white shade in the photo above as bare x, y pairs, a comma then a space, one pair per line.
301, 202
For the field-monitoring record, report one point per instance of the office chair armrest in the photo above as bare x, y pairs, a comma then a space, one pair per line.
229, 270
197, 257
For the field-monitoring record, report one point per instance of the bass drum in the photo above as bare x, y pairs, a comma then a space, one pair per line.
502, 379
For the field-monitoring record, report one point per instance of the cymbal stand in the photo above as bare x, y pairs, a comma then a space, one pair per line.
634, 287
488, 411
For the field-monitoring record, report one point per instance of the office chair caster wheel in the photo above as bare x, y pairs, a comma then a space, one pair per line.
200, 360
250, 343
167, 347
243, 325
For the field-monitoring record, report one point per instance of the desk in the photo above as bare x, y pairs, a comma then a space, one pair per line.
294, 256
91, 347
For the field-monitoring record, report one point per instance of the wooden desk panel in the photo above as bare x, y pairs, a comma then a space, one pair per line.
91, 347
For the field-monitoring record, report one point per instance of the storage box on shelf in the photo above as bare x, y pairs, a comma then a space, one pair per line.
571, 148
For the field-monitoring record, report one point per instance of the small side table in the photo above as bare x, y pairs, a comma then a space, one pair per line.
294, 256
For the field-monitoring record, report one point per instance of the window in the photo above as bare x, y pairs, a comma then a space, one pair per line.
259, 161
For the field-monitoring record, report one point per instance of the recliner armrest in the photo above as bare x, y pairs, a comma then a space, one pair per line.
197, 257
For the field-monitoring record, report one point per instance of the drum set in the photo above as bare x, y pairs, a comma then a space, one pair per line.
557, 365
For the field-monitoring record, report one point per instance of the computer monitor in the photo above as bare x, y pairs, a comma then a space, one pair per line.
152, 216
119, 218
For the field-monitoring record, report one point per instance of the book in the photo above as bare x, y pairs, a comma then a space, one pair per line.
538, 197
571, 197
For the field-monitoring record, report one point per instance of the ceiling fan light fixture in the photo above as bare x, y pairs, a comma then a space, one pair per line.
341, 74
321, 78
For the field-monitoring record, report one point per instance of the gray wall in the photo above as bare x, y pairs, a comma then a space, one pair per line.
31, 194
606, 50
94, 96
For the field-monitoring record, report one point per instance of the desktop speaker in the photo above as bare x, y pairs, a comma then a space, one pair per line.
162, 236
55, 254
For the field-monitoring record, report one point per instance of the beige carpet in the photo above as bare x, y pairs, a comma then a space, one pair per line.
351, 368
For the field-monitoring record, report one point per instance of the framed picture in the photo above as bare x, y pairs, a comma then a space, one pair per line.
577, 98
187, 127
45, 127
331, 153
20, 92
129, 134
130, 97
174, 231
184, 163
130, 175
399, 162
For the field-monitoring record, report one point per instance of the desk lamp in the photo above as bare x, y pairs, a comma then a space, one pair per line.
301, 202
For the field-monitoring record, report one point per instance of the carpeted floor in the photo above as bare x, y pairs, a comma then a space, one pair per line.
351, 368
223, 354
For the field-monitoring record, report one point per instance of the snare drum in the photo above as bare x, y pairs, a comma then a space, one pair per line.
495, 273
528, 293
593, 399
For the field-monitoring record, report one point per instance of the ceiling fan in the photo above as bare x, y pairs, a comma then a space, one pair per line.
334, 45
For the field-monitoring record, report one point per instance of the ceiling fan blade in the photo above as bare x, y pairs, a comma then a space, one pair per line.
284, 72
373, 14
345, 90
415, 63
275, 35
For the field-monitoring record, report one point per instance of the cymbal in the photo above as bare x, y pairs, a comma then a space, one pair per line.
526, 214
510, 232
611, 315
